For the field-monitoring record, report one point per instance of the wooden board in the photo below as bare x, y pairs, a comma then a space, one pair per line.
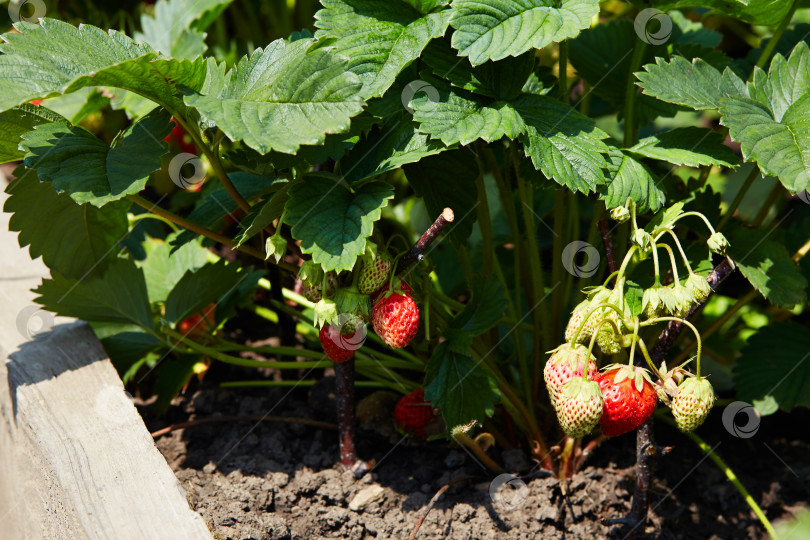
76, 460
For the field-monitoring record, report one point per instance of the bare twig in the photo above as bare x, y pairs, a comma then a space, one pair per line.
417, 252
608, 241
433, 502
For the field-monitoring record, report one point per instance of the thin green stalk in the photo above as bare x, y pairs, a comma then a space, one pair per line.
680, 249
774, 41
749, 181
572, 231
260, 384
729, 474
487, 249
557, 267
150, 215
630, 93
691, 326
563, 71
766, 206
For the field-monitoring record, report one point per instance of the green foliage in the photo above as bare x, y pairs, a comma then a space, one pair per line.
17, 121
690, 146
74, 161
631, 179
74, 240
499, 28
176, 29
333, 222
281, 97
774, 365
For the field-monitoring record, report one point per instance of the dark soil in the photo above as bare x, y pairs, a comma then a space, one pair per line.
271, 480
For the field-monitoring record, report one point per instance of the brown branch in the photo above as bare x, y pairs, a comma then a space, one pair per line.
201, 421
433, 502
608, 241
344, 380
417, 252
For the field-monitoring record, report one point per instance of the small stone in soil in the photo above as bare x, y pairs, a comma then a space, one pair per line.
366, 496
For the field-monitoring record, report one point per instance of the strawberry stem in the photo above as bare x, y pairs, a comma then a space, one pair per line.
344, 388
608, 242
691, 327
672, 261
680, 249
417, 252
635, 340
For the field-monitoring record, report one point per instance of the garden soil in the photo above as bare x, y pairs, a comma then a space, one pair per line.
277, 480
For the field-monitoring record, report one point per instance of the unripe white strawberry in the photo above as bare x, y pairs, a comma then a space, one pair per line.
692, 404
566, 363
579, 406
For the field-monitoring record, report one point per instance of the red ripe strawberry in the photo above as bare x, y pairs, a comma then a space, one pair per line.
335, 345
36, 102
199, 324
180, 139
374, 274
579, 406
413, 413
396, 317
630, 399
692, 403
567, 362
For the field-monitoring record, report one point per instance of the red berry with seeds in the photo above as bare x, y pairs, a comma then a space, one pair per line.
413, 413
395, 317
630, 399
335, 345
565, 363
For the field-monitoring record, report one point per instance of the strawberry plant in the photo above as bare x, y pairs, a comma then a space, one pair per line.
507, 193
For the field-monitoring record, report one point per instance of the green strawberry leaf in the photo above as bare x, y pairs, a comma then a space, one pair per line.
760, 12
262, 215
215, 283
664, 220
499, 80
74, 240
694, 84
381, 38
602, 56
162, 268
459, 386
53, 57
281, 97
333, 222
17, 121
388, 147
448, 180
633, 298
774, 365
496, 29
565, 145
773, 125
690, 146
173, 374
176, 27
484, 310
118, 296
767, 264
76, 162
629, 178
426, 6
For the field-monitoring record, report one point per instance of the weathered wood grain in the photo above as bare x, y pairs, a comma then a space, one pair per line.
76, 460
